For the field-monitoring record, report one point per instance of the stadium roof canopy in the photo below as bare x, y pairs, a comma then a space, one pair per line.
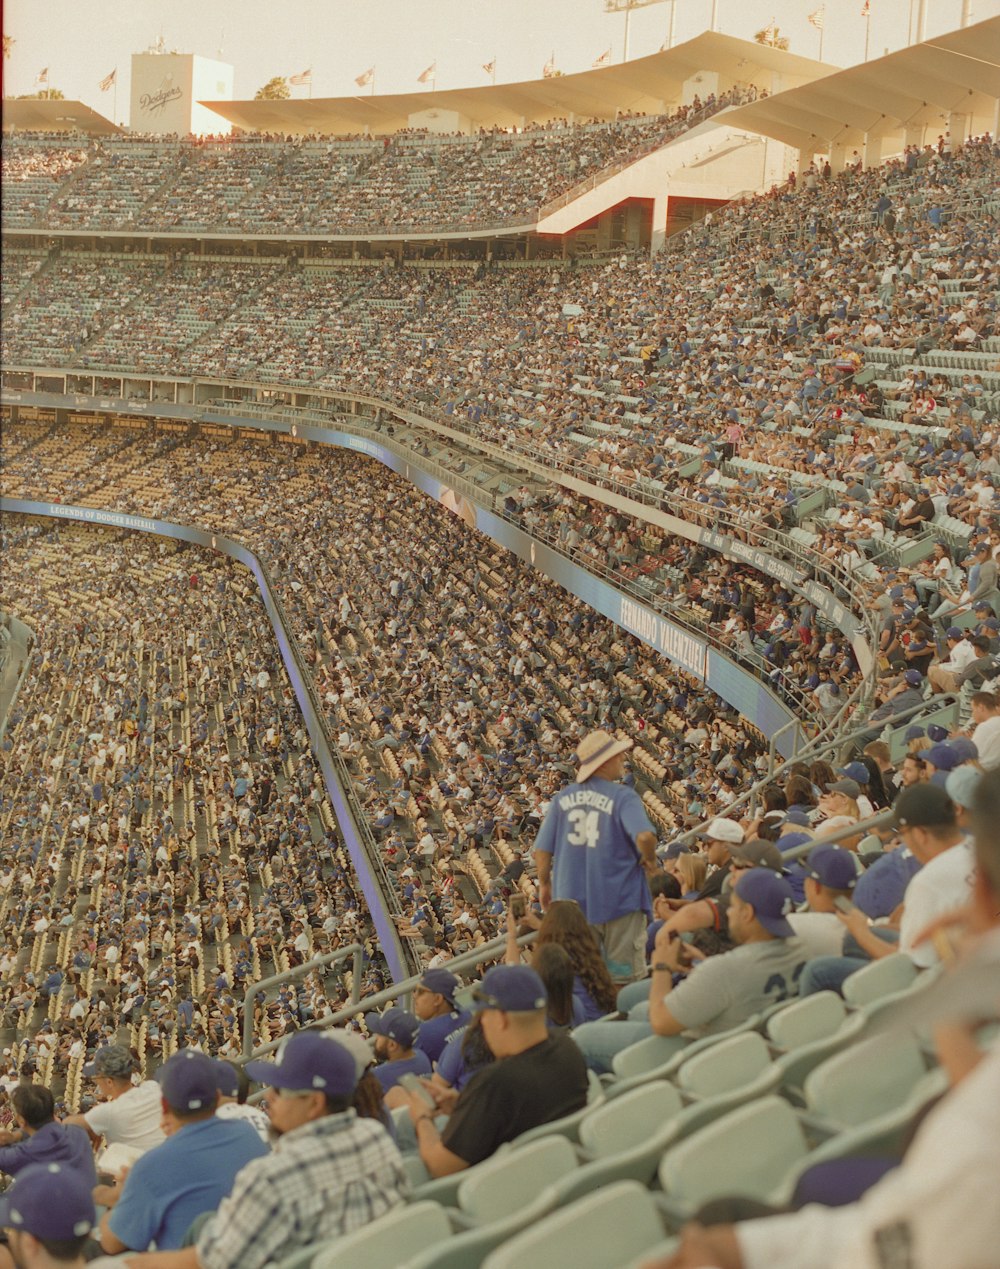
45, 115
645, 85
919, 86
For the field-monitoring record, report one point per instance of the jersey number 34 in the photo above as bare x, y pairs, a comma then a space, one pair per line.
585, 828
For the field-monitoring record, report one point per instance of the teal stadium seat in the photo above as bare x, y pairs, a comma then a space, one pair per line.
891, 973
386, 1243
610, 1228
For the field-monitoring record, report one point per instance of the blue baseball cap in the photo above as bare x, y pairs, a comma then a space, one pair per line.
308, 1060
441, 981
673, 851
189, 1081
937, 733
832, 866
913, 677
226, 1079
954, 632
395, 1024
511, 988
856, 771
965, 747
942, 756
50, 1201
771, 898
913, 733
788, 841
795, 816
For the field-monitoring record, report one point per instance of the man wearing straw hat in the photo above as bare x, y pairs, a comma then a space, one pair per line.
597, 846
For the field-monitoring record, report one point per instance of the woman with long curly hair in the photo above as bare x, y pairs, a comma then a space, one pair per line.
565, 924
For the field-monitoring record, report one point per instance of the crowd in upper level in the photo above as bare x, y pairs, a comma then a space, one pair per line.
337, 185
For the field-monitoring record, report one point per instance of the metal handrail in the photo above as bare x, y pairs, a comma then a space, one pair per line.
354, 950
818, 747
489, 951
884, 819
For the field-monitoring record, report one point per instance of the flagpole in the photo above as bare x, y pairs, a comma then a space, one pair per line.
821, 33
868, 29
493, 72
114, 101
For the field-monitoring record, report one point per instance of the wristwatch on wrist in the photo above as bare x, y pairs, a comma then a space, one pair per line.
661, 967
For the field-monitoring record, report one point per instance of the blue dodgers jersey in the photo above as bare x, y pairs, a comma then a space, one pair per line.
590, 830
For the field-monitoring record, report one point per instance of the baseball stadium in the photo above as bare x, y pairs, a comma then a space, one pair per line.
480, 566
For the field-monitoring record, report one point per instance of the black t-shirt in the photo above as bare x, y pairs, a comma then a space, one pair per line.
713, 886
507, 1098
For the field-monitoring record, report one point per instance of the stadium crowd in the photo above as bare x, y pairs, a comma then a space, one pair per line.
336, 185
458, 682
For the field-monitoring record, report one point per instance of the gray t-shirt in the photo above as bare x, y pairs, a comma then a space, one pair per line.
725, 990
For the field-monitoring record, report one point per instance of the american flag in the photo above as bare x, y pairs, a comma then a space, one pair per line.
43, 76
490, 67
603, 60
108, 80
426, 76
866, 9
549, 69
300, 81
817, 18
365, 78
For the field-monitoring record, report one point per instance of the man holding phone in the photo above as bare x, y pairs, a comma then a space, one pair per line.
538, 1076
597, 847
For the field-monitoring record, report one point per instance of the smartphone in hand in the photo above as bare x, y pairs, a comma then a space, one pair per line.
413, 1084
518, 906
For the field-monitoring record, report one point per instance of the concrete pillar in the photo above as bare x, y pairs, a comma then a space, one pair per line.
914, 135
838, 157
958, 126
802, 160
872, 152
659, 234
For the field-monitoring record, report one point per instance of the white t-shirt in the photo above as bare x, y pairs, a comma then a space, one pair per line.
820, 933
940, 886
986, 738
131, 1120
937, 1208
249, 1114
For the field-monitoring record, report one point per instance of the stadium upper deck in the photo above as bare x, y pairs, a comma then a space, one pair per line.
254, 184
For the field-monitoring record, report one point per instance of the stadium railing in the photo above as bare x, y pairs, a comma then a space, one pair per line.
402, 990
353, 950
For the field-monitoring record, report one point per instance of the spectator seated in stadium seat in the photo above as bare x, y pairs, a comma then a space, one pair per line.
42, 1139
928, 825
717, 992
189, 1174
130, 1116
330, 1173
48, 1214
440, 1018
395, 1033
538, 1077
939, 1202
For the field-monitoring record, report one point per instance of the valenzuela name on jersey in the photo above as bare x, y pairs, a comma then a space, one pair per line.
586, 797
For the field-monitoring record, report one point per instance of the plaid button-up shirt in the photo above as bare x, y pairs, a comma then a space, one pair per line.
329, 1177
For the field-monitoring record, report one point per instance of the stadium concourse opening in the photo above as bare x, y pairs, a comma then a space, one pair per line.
501, 712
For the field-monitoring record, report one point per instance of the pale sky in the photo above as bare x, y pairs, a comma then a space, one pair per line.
81, 41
